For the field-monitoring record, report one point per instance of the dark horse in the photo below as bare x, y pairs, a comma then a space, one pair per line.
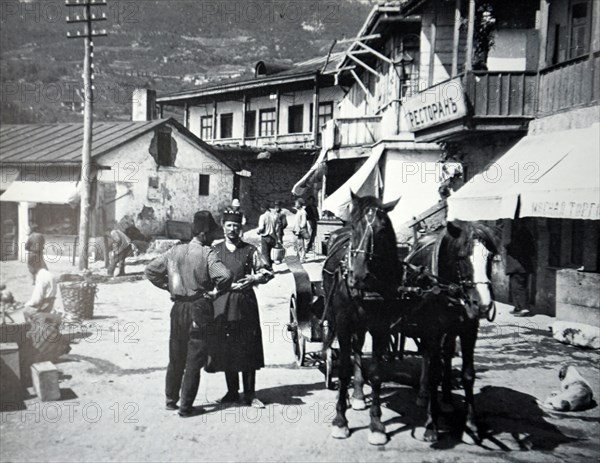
360, 277
452, 267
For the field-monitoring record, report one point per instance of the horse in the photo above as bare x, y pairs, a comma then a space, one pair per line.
359, 279
452, 270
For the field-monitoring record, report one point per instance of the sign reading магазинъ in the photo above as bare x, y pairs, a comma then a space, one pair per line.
443, 103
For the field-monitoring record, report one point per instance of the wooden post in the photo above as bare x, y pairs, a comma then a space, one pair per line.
315, 114
87, 170
470, 36
161, 111
244, 103
214, 117
544, 11
432, 49
278, 101
456, 40
186, 115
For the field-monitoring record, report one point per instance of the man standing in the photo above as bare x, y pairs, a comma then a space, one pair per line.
312, 216
34, 248
300, 230
267, 231
520, 254
238, 346
189, 272
120, 249
280, 222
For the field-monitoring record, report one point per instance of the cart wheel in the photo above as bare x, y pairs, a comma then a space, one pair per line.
329, 383
298, 341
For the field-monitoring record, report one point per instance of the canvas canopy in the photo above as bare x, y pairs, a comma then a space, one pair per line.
42, 192
554, 175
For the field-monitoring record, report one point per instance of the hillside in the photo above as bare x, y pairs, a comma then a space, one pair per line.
169, 45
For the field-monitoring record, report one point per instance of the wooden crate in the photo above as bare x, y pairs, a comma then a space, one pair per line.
45, 381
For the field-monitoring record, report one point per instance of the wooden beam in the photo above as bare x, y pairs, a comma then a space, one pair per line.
342, 69
277, 110
375, 52
360, 82
315, 114
470, 36
364, 37
364, 65
456, 39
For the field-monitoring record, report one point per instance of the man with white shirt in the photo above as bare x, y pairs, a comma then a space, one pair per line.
44, 291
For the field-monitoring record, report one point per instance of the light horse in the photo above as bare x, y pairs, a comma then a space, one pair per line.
451, 270
359, 279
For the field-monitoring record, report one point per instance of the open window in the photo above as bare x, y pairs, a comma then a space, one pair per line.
295, 118
226, 125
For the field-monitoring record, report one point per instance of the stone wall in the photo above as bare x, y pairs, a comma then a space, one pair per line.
272, 179
577, 297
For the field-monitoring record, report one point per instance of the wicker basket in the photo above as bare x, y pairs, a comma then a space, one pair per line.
78, 299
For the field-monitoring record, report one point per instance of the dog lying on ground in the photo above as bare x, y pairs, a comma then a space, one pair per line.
575, 392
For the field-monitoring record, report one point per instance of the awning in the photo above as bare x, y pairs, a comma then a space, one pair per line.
365, 182
555, 175
42, 192
301, 185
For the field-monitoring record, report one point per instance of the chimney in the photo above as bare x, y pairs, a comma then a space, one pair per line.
143, 104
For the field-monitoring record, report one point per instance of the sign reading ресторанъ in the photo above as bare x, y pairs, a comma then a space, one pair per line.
444, 102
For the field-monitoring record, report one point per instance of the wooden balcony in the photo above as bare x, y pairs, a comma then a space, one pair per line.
569, 85
495, 101
357, 131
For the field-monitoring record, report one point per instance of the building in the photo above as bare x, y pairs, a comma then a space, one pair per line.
514, 97
266, 123
151, 172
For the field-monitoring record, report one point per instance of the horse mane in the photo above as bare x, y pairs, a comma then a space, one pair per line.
461, 245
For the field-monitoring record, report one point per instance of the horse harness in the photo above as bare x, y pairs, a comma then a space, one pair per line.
457, 293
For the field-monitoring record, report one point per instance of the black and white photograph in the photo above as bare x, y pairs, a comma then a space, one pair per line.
300, 231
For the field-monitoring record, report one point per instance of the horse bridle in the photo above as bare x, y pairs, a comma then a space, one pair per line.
368, 234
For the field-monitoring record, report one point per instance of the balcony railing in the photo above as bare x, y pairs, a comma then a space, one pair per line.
356, 131
500, 94
569, 84
289, 141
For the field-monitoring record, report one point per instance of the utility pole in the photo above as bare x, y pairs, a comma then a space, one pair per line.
84, 14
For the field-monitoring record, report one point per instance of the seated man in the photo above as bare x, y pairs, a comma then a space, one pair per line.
44, 291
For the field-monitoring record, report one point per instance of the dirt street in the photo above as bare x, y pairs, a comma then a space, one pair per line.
112, 405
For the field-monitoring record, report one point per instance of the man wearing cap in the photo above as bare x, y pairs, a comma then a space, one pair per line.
238, 346
189, 272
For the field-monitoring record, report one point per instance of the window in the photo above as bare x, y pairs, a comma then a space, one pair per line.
206, 127
203, 188
163, 144
325, 114
295, 118
580, 29
250, 128
267, 122
226, 125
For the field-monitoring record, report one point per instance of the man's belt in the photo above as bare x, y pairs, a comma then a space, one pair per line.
195, 297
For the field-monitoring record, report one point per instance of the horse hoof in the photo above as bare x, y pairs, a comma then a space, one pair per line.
359, 404
431, 435
446, 407
340, 433
422, 401
377, 438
